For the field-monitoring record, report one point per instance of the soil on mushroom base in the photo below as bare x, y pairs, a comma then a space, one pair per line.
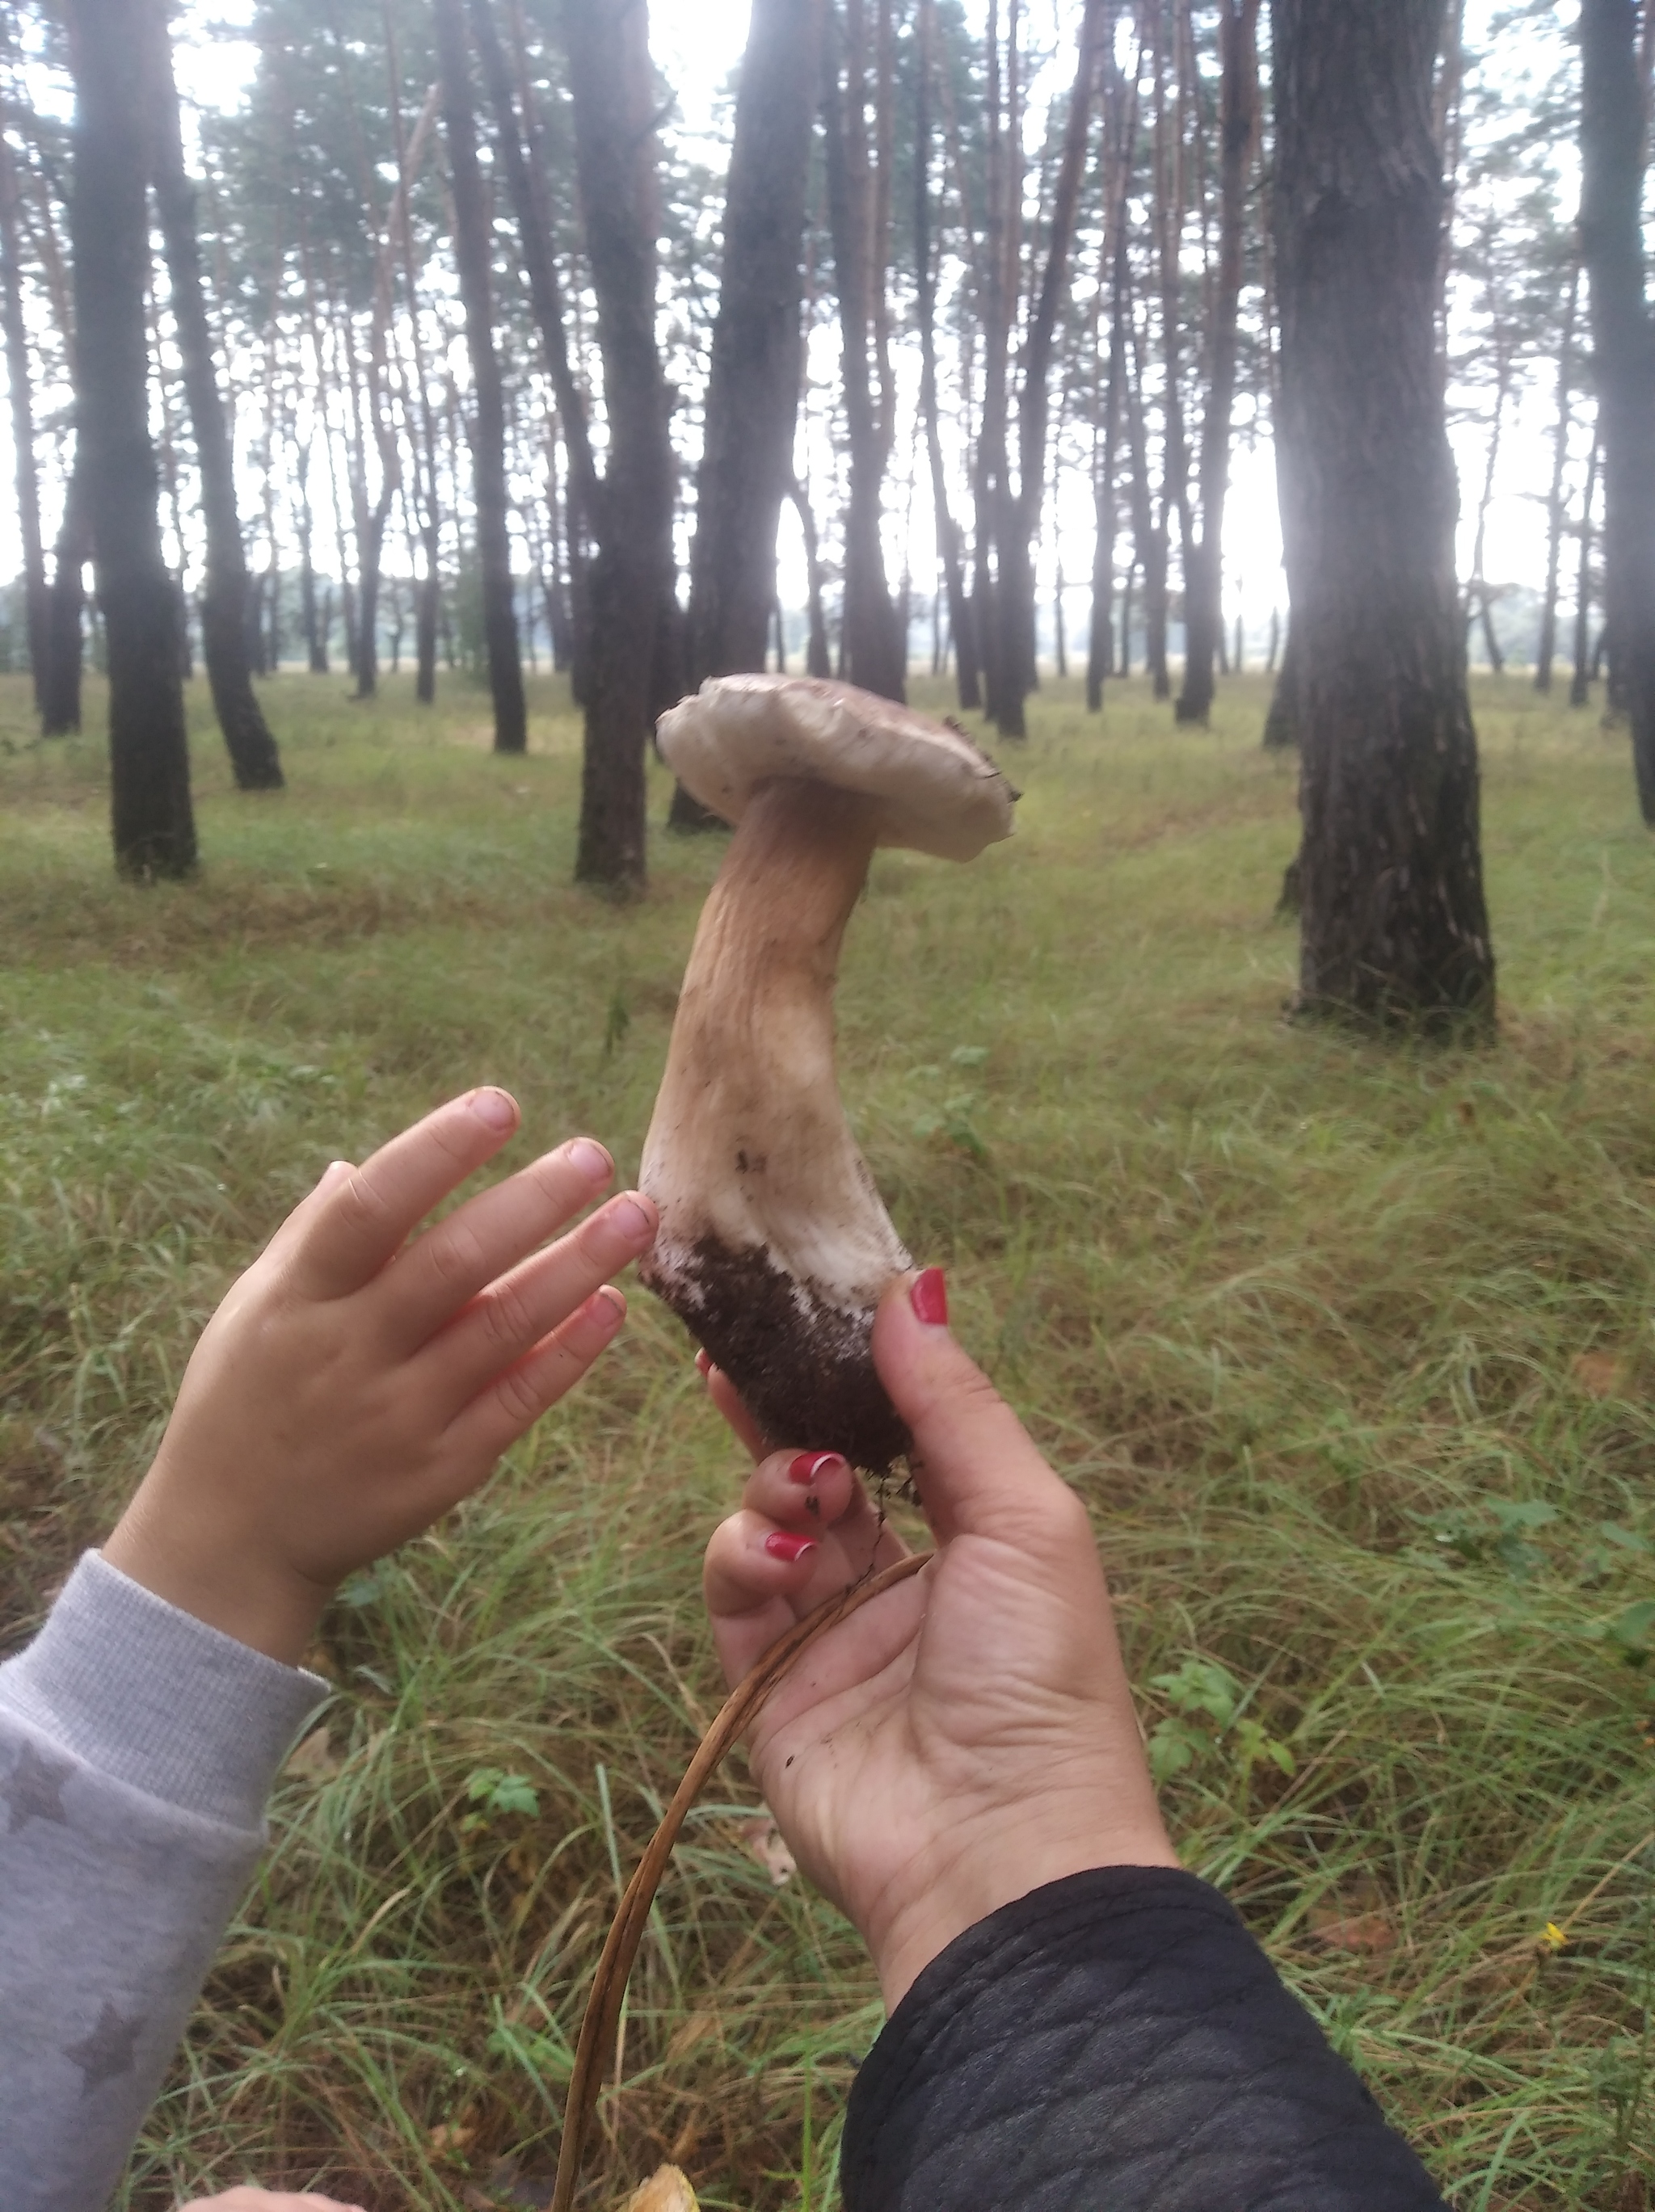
802, 1364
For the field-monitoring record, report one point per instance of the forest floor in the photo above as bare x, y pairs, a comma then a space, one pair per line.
1350, 1346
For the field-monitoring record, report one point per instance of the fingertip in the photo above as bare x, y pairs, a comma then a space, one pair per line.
704, 1363
607, 1297
496, 1109
591, 1159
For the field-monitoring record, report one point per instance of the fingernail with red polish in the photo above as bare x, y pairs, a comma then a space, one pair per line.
496, 1109
928, 1296
810, 1466
782, 1544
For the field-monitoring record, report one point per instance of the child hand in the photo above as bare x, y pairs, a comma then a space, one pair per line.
265, 2200
353, 1385
969, 1735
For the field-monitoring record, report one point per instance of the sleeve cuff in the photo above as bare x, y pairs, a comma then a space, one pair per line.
155, 1698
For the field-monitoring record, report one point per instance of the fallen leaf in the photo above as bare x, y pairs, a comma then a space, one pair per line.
313, 1759
1600, 1374
1366, 1935
667, 2189
763, 1840
454, 2136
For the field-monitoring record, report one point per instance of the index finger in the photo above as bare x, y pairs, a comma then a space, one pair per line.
363, 1220
977, 1470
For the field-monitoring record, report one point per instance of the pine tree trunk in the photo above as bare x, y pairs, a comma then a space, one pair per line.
871, 651
752, 389
758, 356
1612, 126
950, 552
1018, 538
1394, 926
60, 694
253, 755
1281, 719
473, 251
1580, 683
13, 323
315, 634
1100, 658
1203, 583
152, 820
1556, 505
612, 93
1168, 213
818, 660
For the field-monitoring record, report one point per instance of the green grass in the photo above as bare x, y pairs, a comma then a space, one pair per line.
1349, 1347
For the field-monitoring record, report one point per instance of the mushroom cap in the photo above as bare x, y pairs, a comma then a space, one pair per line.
935, 791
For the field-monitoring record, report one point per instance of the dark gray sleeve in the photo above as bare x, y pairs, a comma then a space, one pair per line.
136, 1749
1115, 2042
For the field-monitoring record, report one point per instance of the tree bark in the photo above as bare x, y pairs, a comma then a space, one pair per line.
758, 356
1612, 154
1394, 927
752, 389
950, 549
253, 756
1281, 719
1580, 683
818, 660
26, 478
1203, 582
153, 821
612, 93
1020, 518
60, 695
473, 252
1556, 502
871, 651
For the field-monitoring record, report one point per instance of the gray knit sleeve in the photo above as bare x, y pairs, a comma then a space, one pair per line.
136, 1749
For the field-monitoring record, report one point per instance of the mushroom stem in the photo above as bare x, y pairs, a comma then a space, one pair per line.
774, 1246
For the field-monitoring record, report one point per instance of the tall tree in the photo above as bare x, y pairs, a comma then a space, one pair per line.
13, 323
1203, 581
1394, 925
615, 161
950, 552
753, 387
874, 648
253, 756
1556, 496
473, 252
152, 820
1613, 124
1018, 517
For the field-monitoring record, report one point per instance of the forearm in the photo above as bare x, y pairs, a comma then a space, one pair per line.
1117, 2038
137, 1746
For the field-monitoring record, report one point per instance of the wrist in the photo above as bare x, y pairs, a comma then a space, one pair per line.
989, 1864
262, 1603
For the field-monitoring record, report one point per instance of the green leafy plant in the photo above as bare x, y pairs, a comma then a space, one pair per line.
1207, 1718
498, 1796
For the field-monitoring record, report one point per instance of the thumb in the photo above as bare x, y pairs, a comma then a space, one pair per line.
975, 1465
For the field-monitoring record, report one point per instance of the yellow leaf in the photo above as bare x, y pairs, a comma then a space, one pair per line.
667, 2189
1553, 1937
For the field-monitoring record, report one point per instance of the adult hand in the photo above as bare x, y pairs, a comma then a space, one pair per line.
969, 1735
353, 1385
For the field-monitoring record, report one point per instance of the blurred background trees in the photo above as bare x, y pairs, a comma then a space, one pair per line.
452, 330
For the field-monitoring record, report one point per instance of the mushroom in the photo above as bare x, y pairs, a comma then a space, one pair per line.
774, 1246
